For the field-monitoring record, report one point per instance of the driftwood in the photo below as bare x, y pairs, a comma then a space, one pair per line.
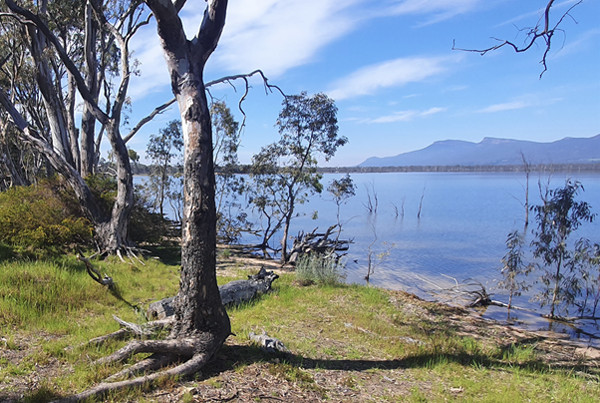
469, 293
314, 242
234, 292
268, 344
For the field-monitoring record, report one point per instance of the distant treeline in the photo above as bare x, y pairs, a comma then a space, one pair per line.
468, 168
141, 169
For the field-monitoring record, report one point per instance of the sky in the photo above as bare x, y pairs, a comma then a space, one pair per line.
390, 66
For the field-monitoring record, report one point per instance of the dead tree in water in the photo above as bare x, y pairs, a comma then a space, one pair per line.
321, 243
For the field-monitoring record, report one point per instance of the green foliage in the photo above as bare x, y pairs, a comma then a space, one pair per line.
231, 220
320, 269
586, 261
285, 173
163, 150
104, 189
514, 267
341, 190
145, 225
558, 216
41, 220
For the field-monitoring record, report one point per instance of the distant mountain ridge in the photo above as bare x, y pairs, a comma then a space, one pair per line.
496, 151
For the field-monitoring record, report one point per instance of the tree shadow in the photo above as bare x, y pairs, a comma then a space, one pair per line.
232, 357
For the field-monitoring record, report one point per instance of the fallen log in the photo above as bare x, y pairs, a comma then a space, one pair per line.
268, 344
232, 293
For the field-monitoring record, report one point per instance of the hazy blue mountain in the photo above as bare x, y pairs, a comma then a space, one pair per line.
493, 151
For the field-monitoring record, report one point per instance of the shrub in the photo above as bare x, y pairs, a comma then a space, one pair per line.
320, 269
41, 219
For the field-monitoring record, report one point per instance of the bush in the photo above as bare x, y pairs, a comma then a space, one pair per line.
320, 269
41, 219
147, 226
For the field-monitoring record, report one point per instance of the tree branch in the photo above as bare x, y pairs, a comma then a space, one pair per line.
81, 86
147, 119
545, 32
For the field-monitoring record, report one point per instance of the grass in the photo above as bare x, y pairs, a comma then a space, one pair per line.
367, 343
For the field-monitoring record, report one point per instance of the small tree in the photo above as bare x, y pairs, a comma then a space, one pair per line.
231, 221
341, 190
162, 150
587, 264
285, 173
557, 217
513, 267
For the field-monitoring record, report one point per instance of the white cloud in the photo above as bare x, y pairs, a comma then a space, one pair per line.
392, 73
153, 67
405, 116
524, 101
438, 9
507, 106
276, 35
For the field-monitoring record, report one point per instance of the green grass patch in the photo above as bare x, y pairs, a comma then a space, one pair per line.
368, 332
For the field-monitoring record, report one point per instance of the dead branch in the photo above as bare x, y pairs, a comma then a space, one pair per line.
543, 30
95, 274
321, 243
268, 344
469, 293
229, 80
147, 119
570, 318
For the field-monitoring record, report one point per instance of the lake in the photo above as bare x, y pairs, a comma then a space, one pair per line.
461, 233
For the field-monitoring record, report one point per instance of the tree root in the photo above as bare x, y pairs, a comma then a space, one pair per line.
189, 367
195, 352
154, 362
184, 347
147, 329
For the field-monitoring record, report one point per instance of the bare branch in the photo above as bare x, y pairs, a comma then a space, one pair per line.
147, 119
543, 32
229, 80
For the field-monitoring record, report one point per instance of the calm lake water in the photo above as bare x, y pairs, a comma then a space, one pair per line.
461, 233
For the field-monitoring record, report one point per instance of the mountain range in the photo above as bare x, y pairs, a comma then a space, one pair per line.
495, 151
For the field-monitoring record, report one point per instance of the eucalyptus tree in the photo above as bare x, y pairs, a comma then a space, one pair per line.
285, 173
163, 149
341, 190
52, 35
231, 220
557, 217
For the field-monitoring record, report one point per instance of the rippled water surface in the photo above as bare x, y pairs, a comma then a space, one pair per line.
465, 218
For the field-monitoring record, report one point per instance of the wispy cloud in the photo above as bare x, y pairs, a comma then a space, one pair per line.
438, 10
276, 35
507, 106
526, 101
538, 13
405, 116
392, 73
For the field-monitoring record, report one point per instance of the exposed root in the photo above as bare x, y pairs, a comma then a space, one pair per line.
184, 347
191, 366
147, 329
193, 351
152, 363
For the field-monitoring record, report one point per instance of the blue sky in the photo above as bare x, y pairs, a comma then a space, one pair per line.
390, 66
